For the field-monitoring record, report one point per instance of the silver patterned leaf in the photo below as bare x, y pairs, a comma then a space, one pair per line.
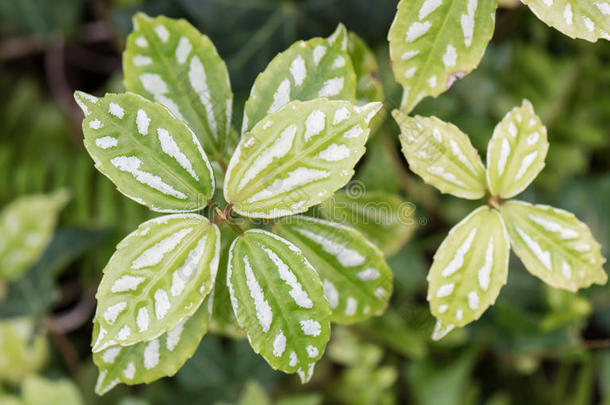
297, 157
356, 280
278, 299
168, 61
159, 275
151, 156
554, 245
320, 67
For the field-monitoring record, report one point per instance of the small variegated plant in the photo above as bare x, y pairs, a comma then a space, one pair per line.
168, 144
471, 265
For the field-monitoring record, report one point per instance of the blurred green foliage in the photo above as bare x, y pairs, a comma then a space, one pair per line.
535, 345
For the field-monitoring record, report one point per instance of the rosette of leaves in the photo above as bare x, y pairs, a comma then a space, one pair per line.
162, 142
470, 267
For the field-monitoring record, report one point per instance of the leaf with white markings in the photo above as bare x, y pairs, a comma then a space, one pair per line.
147, 361
516, 151
435, 42
585, 19
26, 229
278, 299
159, 275
297, 157
356, 280
554, 245
369, 88
168, 61
151, 156
384, 219
442, 155
469, 269
307, 70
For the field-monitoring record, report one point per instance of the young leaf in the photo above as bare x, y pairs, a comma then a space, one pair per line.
158, 275
305, 71
469, 269
26, 229
369, 88
168, 61
442, 155
147, 361
435, 42
297, 157
356, 280
151, 156
278, 299
585, 19
554, 245
382, 218
23, 349
516, 151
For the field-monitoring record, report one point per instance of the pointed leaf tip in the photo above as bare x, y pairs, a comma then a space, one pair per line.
339, 36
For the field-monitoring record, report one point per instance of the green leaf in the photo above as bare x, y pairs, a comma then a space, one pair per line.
23, 350
442, 155
369, 88
151, 156
384, 219
554, 245
26, 229
147, 361
38, 390
469, 269
278, 299
585, 19
516, 151
159, 274
356, 280
307, 70
297, 157
435, 42
168, 61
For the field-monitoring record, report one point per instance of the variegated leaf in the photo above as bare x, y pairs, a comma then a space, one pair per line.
147, 361
585, 19
554, 245
369, 88
469, 269
151, 156
158, 275
442, 155
223, 319
435, 42
26, 229
168, 61
278, 299
320, 67
23, 349
356, 280
297, 157
382, 218
516, 151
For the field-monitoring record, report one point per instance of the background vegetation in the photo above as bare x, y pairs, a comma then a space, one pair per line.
536, 345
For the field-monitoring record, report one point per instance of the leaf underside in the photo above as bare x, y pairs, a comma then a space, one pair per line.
320, 67
158, 275
442, 155
469, 269
151, 156
585, 19
168, 61
435, 42
297, 157
516, 151
356, 280
554, 245
278, 299
147, 361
